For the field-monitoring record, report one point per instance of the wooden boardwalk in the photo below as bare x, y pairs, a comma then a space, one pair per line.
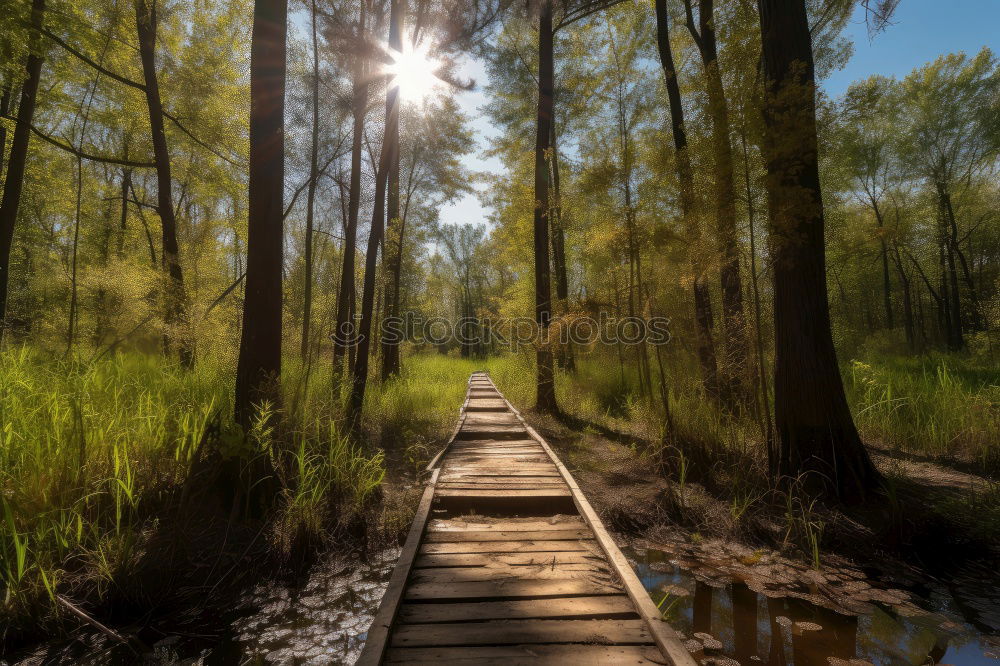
507, 563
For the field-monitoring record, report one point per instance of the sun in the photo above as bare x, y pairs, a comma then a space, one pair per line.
413, 70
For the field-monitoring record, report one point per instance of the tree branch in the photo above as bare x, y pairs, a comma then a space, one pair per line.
103, 159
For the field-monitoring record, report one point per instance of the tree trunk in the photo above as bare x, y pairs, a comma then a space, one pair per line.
559, 247
816, 434
5, 111
392, 251
953, 300
175, 298
702, 298
17, 160
886, 283
343, 336
311, 193
546, 393
735, 363
387, 157
259, 368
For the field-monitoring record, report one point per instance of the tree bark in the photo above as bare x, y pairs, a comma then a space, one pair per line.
175, 298
546, 394
359, 374
311, 194
886, 282
816, 433
16, 162
735, 363
344, 328
702, 298
559, 247
392, 251
259, 368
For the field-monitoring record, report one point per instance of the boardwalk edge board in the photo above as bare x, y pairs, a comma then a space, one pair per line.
478, 593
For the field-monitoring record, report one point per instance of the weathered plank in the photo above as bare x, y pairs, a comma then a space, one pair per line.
500, 632
562, 655
484, 590
504, 559
473, 492
616, 606
471, 523
450, 575
512, 546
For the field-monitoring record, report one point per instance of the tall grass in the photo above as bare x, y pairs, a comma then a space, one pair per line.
93, 457
935, 405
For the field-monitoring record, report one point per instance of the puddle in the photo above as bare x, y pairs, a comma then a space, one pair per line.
726, 622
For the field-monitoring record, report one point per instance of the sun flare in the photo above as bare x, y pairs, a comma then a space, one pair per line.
414, 71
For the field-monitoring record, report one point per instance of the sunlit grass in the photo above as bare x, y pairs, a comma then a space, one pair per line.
936, 405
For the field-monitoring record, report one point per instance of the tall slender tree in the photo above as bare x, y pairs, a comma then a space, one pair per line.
259, 368
392, 246
816, 433
307, 254
17, 160
735, 365
343, 337
174, 295
387, 158
685, 175
546, 391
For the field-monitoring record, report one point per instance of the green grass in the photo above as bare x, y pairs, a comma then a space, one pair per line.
94, 456
946, 406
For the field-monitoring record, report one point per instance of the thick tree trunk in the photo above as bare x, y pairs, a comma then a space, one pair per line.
392, 250
311, 194
546, 392
702, 298
17, 160
343, 336
258, 371
175, 298
735, 365
387, 157
816, 433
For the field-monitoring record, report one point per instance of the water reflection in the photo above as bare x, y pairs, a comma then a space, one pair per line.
725, 622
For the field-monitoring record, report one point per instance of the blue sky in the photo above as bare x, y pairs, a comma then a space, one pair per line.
921, 30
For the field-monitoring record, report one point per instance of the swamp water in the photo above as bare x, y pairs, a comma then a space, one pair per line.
724, 621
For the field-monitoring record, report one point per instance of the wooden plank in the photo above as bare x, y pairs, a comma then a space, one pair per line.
378, 633
500, 632
501, 525
502, 486
473, 492
502, 535
561, 655
487, 480
503, 559
480, 472
618, 605
508, 589
513, 546
452, 575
